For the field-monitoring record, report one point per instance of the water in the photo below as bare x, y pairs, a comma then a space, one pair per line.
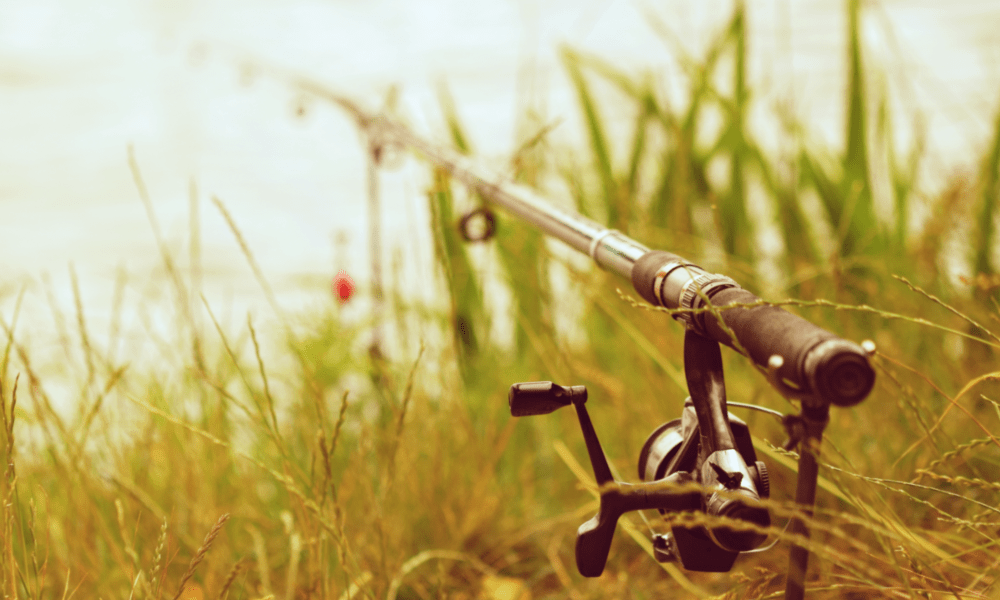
81, 82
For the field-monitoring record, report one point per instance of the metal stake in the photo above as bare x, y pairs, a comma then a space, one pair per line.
815, 418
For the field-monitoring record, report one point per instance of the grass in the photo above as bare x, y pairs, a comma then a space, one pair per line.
340, 476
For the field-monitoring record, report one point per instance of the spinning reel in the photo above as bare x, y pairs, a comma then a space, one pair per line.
707, 448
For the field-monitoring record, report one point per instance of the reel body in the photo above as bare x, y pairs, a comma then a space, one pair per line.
706, 446
673, 448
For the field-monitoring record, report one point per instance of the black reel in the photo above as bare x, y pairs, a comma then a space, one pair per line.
703, 462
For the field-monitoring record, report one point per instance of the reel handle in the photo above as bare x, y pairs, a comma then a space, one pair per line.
593, 538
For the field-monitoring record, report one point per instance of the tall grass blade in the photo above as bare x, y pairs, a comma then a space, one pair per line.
985, 238
165, 255
858, 208
245, 248
647, 108
467, 316
523, 255
200, 555
903, 176
736, 229
195, 269
801, 252
638, 90
81, 323
9, 329
684, 179
596, 136
452, 120
524, 258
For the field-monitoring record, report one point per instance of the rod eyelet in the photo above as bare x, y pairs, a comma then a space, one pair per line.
468, 232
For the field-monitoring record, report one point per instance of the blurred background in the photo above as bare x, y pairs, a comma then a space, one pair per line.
185, 84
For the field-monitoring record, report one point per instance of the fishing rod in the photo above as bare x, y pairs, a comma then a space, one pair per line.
703, 462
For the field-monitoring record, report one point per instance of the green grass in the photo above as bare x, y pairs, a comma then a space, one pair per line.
347, 477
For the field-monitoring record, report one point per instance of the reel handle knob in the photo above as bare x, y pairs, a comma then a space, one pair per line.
542, 397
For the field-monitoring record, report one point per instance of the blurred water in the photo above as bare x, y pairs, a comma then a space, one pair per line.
80, 82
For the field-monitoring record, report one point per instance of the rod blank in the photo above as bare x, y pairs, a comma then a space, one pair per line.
806, 360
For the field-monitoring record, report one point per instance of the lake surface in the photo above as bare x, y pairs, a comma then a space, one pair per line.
180, 83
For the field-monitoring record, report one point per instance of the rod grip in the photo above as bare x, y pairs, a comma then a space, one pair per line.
814, 360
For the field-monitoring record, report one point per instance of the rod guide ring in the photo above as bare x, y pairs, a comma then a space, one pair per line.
596, 242
489, 225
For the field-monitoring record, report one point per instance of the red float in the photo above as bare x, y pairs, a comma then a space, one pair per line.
343, 286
